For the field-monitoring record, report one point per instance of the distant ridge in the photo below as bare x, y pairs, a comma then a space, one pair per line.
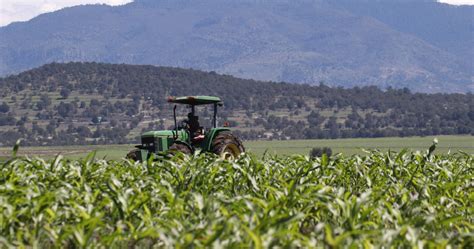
422, 45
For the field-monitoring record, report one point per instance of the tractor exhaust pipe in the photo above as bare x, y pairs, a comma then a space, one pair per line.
175, 132
215, 116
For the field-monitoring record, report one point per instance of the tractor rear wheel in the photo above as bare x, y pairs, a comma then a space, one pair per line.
226, 145
132, 155
179, 147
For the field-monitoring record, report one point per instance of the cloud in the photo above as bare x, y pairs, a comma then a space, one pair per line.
457, 2
23, 10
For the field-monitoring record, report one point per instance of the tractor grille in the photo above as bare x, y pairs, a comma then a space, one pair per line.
148, 143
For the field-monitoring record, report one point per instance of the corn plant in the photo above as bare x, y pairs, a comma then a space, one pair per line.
405, 199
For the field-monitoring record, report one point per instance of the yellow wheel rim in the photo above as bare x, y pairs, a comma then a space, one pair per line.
230, 152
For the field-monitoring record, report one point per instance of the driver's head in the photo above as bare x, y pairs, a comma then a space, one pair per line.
191, 116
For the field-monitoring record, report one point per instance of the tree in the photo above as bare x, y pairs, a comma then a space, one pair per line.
44, 102
7, 120
83, 131
4, 108
96, 119
66, 109
51, 127
315, 119
65, 93
333, 127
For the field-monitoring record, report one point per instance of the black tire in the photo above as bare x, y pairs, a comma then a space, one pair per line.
132, 155
227, 146
179, 147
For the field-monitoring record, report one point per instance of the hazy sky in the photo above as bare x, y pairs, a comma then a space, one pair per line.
23, 10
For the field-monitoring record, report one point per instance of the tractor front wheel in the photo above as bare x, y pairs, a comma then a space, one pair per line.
228, 146
132, 155
179, 147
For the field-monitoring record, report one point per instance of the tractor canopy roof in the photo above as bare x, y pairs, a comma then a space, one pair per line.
195, 100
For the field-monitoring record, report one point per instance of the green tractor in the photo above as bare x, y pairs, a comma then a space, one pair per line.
189, 136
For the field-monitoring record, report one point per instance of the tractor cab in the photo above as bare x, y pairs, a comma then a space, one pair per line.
191, 124
189, 136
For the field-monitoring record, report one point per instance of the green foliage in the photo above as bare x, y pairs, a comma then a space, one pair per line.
319, 152
400, 200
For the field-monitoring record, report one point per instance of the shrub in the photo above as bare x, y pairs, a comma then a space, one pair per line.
318, 152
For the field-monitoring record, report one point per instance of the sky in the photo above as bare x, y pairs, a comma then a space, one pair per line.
23, 10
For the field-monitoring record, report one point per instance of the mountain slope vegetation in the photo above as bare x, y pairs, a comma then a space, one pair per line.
80, 103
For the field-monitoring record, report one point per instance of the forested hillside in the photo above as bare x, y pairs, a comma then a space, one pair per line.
79, 103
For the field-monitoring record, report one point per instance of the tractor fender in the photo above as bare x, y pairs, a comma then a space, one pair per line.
211, 135
184, 143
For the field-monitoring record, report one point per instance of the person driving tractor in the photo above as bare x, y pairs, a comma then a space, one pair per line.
195, 130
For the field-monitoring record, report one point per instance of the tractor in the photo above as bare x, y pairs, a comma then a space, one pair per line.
189, 136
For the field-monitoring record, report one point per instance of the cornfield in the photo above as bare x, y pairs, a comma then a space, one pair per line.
404, 199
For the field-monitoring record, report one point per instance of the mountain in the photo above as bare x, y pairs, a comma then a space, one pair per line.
80, 103
423, 45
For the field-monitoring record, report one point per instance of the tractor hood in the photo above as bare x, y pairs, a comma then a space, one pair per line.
168, 134
164, 133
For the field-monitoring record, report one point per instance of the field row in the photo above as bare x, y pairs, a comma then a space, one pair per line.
288, 147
